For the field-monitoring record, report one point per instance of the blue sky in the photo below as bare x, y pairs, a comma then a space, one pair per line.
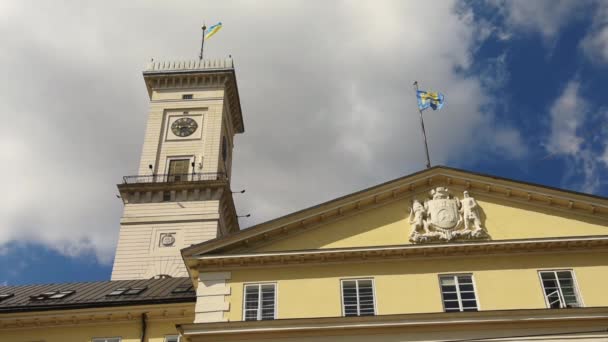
525, 85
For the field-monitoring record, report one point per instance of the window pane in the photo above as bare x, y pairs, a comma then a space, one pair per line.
447, 296
547, 275
448, 289
465, 280
469, 304
447, 281
466, 287
358, 297
451, 305
467, 295
350, 310
251, 315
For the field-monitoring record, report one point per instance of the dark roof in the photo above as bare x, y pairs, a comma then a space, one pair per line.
95, 294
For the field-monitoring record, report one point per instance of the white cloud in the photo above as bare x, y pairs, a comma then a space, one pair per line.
325, 89
545, 17
567, 115
595, 44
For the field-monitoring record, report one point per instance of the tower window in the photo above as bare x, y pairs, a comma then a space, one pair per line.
178, 170
187, 97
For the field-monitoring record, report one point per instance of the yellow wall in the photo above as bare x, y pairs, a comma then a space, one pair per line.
388, 225
129, 331
411, 286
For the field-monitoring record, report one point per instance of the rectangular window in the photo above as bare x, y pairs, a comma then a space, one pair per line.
172, 338
560, 289
187, 97
260, 302
458, 293
178, 169
106, 339
358, 297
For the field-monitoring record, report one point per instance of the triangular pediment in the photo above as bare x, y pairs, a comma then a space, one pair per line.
386, 215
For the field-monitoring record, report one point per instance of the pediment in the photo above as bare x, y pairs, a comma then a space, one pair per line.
425, 208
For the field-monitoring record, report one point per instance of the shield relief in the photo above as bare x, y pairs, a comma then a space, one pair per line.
444, 213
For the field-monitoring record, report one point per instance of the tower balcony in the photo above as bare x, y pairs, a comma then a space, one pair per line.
174, 178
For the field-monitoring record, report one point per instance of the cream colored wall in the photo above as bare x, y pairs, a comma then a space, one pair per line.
388, 225
156, 148
129, 331
138, 253
412, 286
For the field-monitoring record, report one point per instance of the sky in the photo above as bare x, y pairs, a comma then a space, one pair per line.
327, 98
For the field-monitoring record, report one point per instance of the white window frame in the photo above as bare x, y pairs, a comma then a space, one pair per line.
577, 293
105, 339
358, 306
459, 298
259, 309
167, 337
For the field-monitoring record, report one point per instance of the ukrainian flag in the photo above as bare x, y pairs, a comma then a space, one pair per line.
428, 99
213, 30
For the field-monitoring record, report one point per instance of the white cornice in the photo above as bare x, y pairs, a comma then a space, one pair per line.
387, 253
431, 320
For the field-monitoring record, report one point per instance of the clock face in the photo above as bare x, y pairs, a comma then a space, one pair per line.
184, 127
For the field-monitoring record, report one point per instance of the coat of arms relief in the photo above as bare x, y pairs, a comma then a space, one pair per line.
444, 217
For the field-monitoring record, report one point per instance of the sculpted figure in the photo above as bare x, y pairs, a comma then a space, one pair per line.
417, 222
470, 210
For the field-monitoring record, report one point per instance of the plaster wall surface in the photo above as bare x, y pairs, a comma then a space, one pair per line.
389, 225
405, 286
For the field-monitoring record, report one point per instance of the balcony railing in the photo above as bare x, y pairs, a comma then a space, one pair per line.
173, 178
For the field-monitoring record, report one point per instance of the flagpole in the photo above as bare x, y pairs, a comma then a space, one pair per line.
200, 57
426, 146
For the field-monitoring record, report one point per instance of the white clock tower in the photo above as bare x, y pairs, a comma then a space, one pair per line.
181, 194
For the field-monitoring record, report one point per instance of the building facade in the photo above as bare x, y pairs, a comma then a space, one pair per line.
439, 255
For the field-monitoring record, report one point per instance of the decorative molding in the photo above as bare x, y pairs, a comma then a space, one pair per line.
211, 292
434, 322
206, 64
388, 253
444, 218
217, 73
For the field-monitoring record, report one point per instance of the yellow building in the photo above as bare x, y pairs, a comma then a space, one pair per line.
439, 255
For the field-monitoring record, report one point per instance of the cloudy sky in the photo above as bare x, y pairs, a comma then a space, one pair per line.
326, 90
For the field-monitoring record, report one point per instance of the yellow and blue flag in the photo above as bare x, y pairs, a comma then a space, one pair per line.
213, 30
428, 99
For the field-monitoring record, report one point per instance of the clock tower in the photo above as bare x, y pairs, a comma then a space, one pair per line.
181, 193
